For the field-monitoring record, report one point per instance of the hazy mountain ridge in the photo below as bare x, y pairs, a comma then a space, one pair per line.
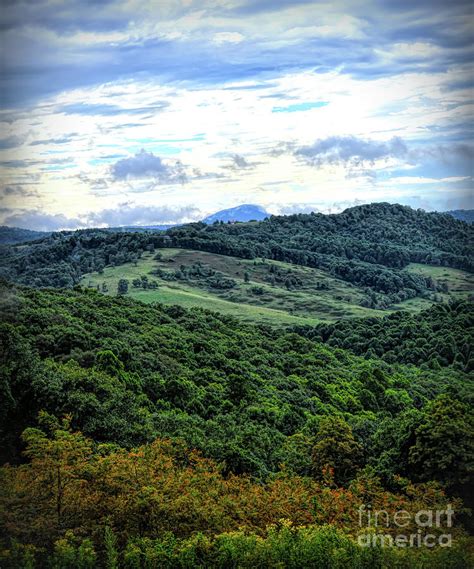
11, 235
466, 215
241, 214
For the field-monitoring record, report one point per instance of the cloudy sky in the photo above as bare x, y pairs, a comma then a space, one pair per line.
141, 112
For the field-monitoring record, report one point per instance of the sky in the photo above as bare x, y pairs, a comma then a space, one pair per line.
137, 113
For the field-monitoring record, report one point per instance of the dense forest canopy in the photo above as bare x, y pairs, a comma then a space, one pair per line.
380, 233
144, 435
129, 372
440, 336
255, 400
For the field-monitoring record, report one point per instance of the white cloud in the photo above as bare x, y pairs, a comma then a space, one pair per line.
228, 37
170, 110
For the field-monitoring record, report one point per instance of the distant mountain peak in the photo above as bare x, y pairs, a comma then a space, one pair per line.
466, 215
244, 212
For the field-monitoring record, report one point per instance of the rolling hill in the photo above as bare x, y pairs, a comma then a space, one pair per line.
284, 269
206, 392
10, 235
263, 291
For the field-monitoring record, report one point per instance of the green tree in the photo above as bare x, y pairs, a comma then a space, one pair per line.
122, 287
110, 546
108, 362
444, 447
336, 448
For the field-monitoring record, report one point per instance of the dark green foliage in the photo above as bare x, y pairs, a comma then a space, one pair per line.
129, 372
122, 287
284, 546
366, 245
444, 444
440, 336
111, 553
18, 235
61, 259
73, 553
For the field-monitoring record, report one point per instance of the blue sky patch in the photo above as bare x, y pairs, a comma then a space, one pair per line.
296, 107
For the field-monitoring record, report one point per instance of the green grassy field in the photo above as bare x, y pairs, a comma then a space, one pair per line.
460, 284
192, 298
317, 297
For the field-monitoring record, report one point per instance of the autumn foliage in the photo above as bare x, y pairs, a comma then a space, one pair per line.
74, 496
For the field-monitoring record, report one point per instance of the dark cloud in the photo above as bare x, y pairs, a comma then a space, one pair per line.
112, 156
464, 83
57, 164
239, 162
419, 5
19, 163
252, 87
351, 150
443, 160
356, 154
74, 15
198, 174
437, 21
95, 184
123, 125
446, 153
27, 76
198, 63
13, 192
26, 163
147, 165
61, 140
11, 142
262, 6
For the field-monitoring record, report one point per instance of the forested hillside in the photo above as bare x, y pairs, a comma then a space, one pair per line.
10, 235
137, 434
367, 246
440, 336
466, 215
380, 233
255, 401
129, 372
